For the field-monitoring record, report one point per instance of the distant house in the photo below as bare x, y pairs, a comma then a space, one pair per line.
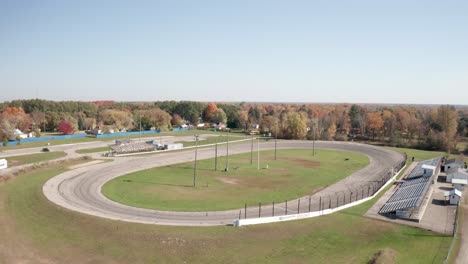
454, 196
20, 134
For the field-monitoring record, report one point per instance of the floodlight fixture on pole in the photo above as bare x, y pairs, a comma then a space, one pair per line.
195, 165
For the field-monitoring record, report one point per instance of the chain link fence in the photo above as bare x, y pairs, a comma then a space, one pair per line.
317, 202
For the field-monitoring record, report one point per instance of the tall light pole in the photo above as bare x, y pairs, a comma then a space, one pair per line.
276, 136
140, 126
216, 154
251, 149
258, 152
227, 152
195, 166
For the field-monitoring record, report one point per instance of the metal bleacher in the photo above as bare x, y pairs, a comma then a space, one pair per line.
412, 191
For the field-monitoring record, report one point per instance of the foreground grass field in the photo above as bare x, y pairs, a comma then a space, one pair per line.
294, 174
40, 232
34, 158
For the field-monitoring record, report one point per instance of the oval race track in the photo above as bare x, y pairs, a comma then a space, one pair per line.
80, 189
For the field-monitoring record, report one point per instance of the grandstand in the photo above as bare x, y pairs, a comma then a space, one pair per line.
126, 147
409, 201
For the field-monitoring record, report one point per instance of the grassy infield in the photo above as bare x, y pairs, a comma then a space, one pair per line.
34, 225
295, 174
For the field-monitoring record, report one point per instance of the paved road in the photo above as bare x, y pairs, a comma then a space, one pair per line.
462, 257
80, 189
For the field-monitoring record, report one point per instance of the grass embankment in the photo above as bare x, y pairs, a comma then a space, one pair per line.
213, 140
39, 231
34, 158
294, 174
92, 150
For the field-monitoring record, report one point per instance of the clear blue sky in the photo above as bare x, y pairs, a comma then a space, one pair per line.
294, 51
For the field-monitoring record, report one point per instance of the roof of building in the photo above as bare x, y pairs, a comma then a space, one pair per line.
460, 181
452, 162
454, 191
459, 175
418, 171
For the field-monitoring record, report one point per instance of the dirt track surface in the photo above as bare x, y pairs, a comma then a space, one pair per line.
80, 189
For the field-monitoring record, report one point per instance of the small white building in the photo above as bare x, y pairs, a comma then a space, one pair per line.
459, 174
429, 170
459, 184
454, 196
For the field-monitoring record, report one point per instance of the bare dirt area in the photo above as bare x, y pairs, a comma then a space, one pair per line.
229, 180
306, 163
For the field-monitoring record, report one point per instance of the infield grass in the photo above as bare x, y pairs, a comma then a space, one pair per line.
294, 174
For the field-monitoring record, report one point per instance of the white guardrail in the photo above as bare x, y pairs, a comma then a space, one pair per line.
273, 219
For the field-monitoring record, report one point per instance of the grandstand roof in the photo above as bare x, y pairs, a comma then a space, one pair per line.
418, 171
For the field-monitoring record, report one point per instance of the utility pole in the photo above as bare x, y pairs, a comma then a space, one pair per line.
195, 166
276, 136
227, 152
216, 154
251, 150
258, 153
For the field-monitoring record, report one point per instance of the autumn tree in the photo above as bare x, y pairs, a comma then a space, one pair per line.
374, 123
120, 119
65, 127
210, 113
296, 125
447, 119
16, 117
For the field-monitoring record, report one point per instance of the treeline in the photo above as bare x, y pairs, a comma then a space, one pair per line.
428, 127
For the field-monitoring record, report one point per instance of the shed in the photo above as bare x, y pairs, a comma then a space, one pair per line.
459, 184
454, 196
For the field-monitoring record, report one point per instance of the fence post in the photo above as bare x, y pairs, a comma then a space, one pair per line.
240, 213
286, 208
310, 200
298, 205
320, 204
259, 209
329, 202
273, 208
245, 211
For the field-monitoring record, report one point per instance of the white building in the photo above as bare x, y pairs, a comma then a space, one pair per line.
3, 164
454, 196
459, 174
459, 184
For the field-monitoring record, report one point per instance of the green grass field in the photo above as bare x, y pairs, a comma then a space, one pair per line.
34, 158
213, 140
92, 150
295, 174
38, 230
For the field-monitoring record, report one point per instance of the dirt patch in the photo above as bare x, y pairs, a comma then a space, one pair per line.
229, 180
306, 163
385, 256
